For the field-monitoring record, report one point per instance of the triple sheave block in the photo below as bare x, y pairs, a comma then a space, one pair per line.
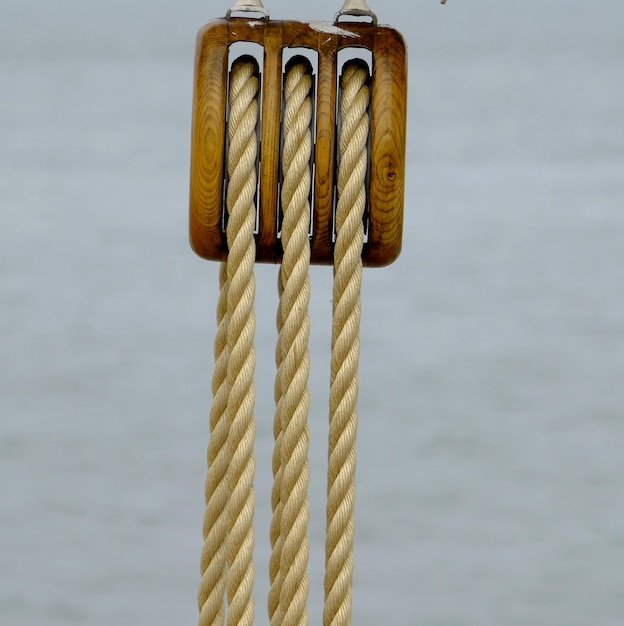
383, 220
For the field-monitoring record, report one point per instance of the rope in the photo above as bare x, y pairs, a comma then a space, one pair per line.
276, 495
288, 567
346, 345
240, 335
227, 556
228, 519
216, 524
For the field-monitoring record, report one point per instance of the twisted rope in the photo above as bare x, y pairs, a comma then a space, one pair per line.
216, 524
346, 345
288, 569
227, 555
240, 336
276, 503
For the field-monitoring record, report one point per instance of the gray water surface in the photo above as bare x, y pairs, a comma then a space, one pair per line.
491, 472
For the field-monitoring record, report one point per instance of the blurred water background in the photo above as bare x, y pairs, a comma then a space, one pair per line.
491, 465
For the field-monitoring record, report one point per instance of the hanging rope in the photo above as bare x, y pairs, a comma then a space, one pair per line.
216, 524
227, 555
276, 493
288, 568
346, 344
241, 192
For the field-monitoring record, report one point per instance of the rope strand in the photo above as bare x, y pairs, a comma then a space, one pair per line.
240, 336
227, 557
346, 345
213, 559
276, 495
290, 582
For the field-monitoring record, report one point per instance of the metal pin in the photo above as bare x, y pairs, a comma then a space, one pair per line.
358, 8
254, 6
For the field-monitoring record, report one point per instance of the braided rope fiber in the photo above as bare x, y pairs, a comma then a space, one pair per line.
276, 493
346, 344
290, 584
242, 155
216, 524
227, 557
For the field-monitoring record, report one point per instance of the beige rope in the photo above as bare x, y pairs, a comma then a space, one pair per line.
276, 493
227, 556
346, 344
288, 569
241, 192
228, 519
216, 524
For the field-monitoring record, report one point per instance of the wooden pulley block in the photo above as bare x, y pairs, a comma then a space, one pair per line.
383, 220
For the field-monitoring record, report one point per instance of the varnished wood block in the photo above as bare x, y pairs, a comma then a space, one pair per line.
388, 134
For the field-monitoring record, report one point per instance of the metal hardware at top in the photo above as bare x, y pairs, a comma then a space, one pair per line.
357, 8
252, 6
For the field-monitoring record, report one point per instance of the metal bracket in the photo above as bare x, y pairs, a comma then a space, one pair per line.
248, 6
358, 8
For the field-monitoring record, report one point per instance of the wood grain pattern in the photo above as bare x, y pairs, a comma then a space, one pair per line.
268, 248
322, 251
388, 138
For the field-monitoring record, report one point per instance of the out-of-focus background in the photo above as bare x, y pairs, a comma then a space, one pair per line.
491, 473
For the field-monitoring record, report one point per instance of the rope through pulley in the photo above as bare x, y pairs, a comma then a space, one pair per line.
345, 355
289, 540
312, 152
